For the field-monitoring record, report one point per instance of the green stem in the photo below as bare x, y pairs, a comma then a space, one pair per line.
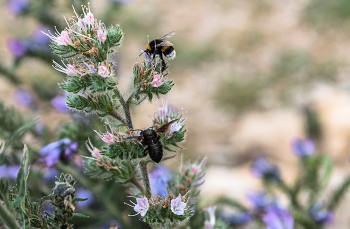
7, 218
117, 116
88, 184
143, 164
144, 173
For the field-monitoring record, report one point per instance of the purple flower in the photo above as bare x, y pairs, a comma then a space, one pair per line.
262, 168
59, 103
84, 193
141, 207
321, 215
260, 200
24, 98
303, 148
177, 206
17, 47
17, 7
9, 171
159, 179
63, 150
38, 37
278, 218
239, 219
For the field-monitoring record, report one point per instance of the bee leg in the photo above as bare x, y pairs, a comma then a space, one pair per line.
163, 62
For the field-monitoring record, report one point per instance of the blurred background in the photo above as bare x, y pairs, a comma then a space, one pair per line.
250, 76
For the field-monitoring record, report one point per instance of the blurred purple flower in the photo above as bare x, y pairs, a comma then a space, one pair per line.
120, 1
38, 37
159, 179
24, 98
303, 148
17, 7
262, 168
239, 219
59, 103
17, 47
84, 193
260, 200
50, 175
9, 171
321, 215
54, 152
278, 218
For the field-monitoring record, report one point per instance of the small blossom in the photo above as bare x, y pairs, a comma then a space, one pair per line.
321, 215
60, 38
195, 169
59, 103
278, 218
24, 98
177, 206
52, 153
159, 178
176, 126
89, 18
17, 47
102, 34
9, 171
82, 24
210, 217
66, 69
166, 110
96, 153
157, 81
17, 7
107, 138
103, 71
260, 200
141, 207
303, 148
262, 168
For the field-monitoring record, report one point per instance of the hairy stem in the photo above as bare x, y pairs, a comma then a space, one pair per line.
117, 116
143, 164
143, 168
137, 184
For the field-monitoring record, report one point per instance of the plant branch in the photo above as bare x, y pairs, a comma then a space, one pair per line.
117, 116
143, 168
7, 218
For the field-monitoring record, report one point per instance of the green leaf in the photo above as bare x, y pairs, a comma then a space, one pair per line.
19, 132
21, 180
80, 215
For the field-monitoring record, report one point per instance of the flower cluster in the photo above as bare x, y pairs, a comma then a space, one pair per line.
154, 209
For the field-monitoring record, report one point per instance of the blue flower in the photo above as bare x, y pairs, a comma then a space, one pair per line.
303, 148
9, 171
260, 200
24, 98
262, 168
17, 7
59, 103
278, 218
239, 219
159, 178
320, 215
17, 47
54, 152
84, 193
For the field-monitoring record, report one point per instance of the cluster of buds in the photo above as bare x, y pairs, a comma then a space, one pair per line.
158, 211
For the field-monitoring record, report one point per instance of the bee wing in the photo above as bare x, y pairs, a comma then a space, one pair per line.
167, 36
165, 128
164, 43
134, 138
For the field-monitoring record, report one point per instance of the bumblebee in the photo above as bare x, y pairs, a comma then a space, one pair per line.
161, 47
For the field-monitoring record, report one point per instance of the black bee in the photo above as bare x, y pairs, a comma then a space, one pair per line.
159, 47
150, 139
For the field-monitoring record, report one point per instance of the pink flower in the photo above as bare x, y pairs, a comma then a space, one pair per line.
108, 138
102, 34
157, 81
177, 206
96, 153
176, 126
67, 69
60, 38
89, 18
195, 169
82, 24
103, 71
